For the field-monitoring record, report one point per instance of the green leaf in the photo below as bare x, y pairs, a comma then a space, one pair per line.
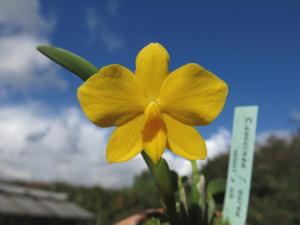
155, 221
181, 193
72, 62
195, 211
211, 209
164, 180
162, 174
216, 186
202, 193
195, 183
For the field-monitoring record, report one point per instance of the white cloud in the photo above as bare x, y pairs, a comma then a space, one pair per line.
23, 16
112, 7
295, 116
98, 27
262, 138
111, 40
37, 146
67, 147
92, 20
216, 144
64, 147
23, 67
22, 29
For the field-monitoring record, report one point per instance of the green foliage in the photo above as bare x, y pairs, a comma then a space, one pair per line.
216, 186
219, 221
275, 186
109, 205
195, 196
195, 210
144, 192
155, 221
166, 182
202, 208
69, 60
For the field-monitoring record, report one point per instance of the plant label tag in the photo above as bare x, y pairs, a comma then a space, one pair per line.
240, 165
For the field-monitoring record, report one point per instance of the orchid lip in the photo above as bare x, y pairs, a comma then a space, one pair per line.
152, 110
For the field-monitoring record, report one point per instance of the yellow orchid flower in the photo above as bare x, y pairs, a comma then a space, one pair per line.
153, 109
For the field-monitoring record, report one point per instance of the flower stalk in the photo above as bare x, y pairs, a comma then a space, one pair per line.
164, 181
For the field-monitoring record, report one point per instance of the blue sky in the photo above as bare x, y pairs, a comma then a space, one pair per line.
253, 46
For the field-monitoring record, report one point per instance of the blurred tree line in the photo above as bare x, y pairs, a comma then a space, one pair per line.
110, 205
275, 192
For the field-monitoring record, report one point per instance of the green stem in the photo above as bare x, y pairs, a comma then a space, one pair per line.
195, 183
165, 183
195, 211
